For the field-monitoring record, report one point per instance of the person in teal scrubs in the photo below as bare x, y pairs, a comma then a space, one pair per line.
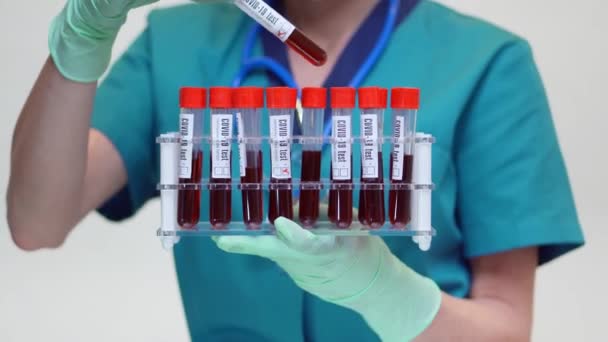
503, 204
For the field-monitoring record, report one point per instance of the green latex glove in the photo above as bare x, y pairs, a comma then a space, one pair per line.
82, 35
359, 273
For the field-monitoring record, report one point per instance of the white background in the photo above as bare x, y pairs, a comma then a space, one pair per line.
114, 283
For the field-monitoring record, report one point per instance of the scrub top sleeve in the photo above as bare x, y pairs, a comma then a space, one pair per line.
513, 186
124, 112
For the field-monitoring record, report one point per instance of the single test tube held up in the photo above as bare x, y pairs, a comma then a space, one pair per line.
405, 105
372, 101
249, 102
281, 102
283, 29
313, 102
193, 102
340, 211
220, 187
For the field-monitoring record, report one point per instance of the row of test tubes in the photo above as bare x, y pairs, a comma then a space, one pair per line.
244, 106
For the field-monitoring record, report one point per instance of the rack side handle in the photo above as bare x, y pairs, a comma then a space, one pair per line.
421, 200
169, 165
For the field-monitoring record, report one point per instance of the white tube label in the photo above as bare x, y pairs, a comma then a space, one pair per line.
280, 147
398, 148
242, 145
266, 16
221, 133
369, 146
186, 131
341, 152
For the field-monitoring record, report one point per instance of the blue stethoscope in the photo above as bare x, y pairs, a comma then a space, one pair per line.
250, 63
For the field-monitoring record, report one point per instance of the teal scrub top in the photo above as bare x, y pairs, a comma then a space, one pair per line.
500, 177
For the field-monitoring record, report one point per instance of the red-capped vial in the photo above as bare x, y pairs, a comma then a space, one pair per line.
405, 103
280, 27
248, 103
340, 211
372, 102
281, 103
314, 102
220, 187
192, 102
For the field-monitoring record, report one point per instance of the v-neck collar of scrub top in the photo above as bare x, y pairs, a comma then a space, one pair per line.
355, 52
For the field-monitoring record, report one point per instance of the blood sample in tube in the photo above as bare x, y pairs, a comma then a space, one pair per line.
399, 198
405, 103
249, 102
314, 101
372, 101
281, 103
306, 48
340, 211
220, 192
310, 190
280, 27
252, 197
193, 102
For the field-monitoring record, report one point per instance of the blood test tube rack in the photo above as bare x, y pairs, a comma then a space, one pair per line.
419, 190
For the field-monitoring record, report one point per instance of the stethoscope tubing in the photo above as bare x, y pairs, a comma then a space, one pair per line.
250, 64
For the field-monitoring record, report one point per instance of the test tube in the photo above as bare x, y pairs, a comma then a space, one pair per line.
169, 175
220, 187
340, 211
314, 101
405, 105
421, 201
193, 102
372, 101
276, 24
281, 103
249, 102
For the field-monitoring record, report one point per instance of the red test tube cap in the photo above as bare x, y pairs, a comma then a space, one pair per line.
248, 97
281, 97
193, 97
313, 97
372, 97
405, 98
220, 97
384, 92
343, 97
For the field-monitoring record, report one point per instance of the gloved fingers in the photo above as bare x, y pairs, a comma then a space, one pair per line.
139, 3
302, 240
115, 8
322, 211
262, 246
340, 252
269, 247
